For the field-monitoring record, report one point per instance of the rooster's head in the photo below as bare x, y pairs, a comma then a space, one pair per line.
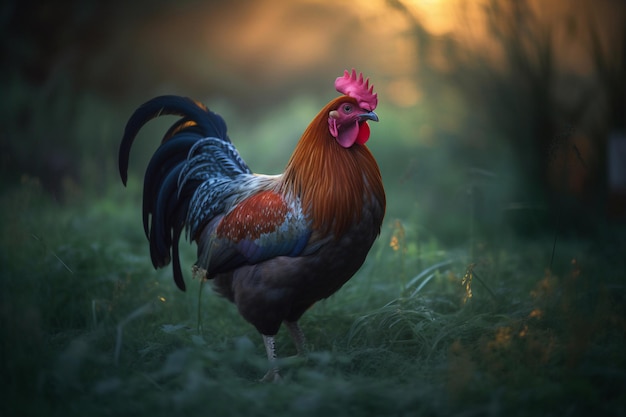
347, 123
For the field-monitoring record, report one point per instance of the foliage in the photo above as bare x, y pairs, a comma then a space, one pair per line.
88, 328
543, 88
470, 303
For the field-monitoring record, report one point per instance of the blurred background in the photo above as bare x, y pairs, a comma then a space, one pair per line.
504, 112
502, 148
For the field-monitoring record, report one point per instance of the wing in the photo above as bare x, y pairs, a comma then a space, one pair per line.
262, 226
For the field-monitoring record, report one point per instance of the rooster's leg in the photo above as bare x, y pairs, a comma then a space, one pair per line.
298, 337
272, 374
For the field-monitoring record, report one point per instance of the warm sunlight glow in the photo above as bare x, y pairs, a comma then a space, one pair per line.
436, 15
403, 92
444, 16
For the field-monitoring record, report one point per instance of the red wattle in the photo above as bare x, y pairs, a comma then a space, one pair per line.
364, 133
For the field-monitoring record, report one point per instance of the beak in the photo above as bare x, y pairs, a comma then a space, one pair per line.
368, 116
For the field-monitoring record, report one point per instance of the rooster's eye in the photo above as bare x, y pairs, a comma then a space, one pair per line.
347, 108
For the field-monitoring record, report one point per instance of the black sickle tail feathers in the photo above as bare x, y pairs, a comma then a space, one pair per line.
165, 200
204, 122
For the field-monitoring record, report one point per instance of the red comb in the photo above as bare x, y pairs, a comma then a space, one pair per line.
357, 88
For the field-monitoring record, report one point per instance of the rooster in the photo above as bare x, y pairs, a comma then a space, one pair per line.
271, 244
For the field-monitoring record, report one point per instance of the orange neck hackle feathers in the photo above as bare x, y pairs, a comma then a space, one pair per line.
333, 182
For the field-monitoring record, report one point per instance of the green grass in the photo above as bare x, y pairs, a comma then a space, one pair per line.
89, 328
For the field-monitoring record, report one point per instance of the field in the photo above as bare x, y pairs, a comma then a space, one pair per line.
496, 288
530, 326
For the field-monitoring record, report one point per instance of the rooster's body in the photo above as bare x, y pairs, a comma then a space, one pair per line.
273, 245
